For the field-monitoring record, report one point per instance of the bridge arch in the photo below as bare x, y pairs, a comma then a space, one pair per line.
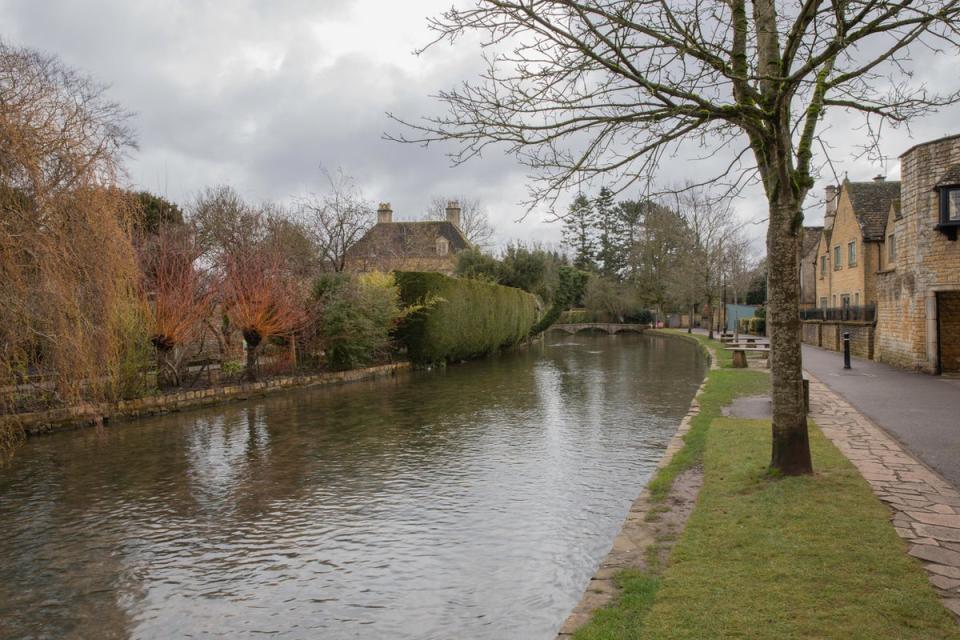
610, 328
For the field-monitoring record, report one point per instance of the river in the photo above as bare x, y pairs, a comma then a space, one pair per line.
467, 503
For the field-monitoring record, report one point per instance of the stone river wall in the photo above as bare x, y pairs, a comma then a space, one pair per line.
90, 414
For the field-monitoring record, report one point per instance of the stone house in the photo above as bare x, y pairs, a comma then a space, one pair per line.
852, 243
809, 245
918, 325
429, 245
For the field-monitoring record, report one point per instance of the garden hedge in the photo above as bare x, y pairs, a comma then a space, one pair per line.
461, 318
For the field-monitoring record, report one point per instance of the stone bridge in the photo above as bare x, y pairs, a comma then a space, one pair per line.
606, 327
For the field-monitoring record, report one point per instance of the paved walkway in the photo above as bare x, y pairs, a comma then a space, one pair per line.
925, 507
920, 410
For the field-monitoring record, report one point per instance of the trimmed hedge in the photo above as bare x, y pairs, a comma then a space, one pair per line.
461, 318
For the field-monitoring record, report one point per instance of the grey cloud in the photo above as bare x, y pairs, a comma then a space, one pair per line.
249, 94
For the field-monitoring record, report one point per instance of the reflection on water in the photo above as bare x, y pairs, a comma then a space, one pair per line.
468, 503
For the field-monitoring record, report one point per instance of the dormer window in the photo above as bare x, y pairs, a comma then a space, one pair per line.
948, 190
442, 246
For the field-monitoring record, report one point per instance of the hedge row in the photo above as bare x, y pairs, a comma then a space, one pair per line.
461, 318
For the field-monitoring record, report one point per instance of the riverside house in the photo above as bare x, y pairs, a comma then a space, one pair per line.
888, 264
918, 325
852, 243
428, 245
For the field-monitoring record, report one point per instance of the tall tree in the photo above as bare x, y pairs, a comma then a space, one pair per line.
610, 247
577, 89
154, 211
714, 229
662, 258
630, 213
474, 219
337, 219
579, 227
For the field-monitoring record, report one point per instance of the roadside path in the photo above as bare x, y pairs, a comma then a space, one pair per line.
920, 410
925, 507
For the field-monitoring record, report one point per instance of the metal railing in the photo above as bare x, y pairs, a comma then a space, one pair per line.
848, 313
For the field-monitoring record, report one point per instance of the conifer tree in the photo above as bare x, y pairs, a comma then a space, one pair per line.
579, 228
610, 248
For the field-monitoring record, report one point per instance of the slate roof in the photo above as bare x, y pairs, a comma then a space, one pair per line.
811, 238
413, 239
951, 178
896, 208
871, 204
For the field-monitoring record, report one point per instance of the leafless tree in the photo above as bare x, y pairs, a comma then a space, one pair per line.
225, 224
337, 219
578, 89
714, 229
474, 220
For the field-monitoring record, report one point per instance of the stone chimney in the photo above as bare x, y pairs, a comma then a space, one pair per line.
831, 196
384, 213
453, 213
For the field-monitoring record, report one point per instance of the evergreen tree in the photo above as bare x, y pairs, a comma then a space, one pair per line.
579, 233
611, 252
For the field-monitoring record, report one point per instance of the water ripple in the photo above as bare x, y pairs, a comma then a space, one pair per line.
468, 503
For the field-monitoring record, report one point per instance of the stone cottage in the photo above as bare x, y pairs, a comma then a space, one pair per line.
918, 287
852, 243
429, 245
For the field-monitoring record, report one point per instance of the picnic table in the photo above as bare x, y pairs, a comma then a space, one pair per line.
740, 352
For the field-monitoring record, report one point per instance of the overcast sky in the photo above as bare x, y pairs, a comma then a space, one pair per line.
260, 94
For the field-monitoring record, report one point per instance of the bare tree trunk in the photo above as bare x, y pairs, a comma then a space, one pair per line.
713, 315
168, 374
253, 339
791, 447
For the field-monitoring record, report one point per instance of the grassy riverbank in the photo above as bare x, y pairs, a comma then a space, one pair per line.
812, 557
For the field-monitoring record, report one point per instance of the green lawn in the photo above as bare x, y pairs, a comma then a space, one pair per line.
762, 558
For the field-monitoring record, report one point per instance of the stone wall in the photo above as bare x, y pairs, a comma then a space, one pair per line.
829, 335
927, 262
56, 420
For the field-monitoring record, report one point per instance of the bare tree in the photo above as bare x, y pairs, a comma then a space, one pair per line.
225, 224
474, 220
578, 89
714, 229
337, 219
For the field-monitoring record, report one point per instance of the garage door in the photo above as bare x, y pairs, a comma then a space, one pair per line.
948, 321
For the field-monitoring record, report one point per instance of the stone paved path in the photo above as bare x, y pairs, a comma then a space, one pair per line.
925, 507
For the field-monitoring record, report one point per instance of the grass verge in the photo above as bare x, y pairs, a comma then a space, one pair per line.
791, 558
723, 385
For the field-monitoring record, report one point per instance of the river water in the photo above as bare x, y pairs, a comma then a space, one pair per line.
469, 503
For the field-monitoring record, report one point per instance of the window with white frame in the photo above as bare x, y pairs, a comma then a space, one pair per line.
837, 265
852, 254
